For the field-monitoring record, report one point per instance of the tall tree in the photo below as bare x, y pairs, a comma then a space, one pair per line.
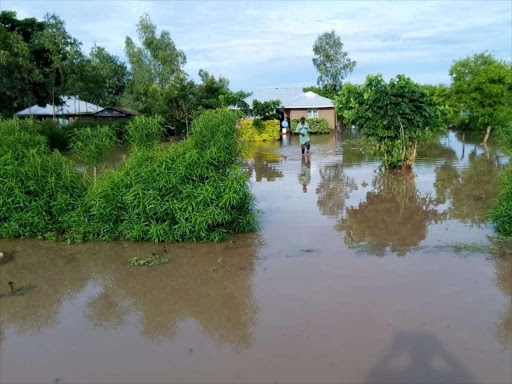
16, 71
482, 86
59, 48
154, 66
99, 78
331, 62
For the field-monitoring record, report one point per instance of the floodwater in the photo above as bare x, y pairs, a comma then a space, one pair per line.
355, 276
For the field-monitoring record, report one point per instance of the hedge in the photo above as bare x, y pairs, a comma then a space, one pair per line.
316, 125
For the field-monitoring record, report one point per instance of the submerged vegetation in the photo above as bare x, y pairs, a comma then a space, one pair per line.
190, 191
154, 259
39, 189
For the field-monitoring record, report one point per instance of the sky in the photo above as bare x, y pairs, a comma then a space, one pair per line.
270, 43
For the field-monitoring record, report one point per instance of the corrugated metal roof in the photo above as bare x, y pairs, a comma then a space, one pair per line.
72, 106
309, 100
121, 111
290, 98
283, 94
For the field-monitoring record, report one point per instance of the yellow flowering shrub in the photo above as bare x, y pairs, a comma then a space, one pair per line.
268, 132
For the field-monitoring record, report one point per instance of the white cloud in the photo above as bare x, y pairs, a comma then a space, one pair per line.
274, 39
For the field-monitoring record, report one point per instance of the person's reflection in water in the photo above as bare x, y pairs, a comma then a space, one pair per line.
305, 173
418, 357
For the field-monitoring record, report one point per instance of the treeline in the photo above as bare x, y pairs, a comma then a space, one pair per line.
40, 62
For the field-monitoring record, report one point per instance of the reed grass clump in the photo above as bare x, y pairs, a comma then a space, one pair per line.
143, 131
194, 190
39, 189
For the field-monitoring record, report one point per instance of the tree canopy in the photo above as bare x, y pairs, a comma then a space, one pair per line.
331, 62
482, 87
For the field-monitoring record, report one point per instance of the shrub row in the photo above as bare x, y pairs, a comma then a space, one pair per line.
316, 125
267, 131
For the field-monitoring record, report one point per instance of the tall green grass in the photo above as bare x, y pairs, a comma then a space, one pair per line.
39, 189
501, 213
190, 191
194, 190
143, 131
91, 144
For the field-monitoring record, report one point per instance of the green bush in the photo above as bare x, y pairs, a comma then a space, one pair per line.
190, 191
501, 214
39, 189
316, 125
269, 130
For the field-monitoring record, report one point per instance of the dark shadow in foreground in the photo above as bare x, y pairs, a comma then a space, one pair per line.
427, 361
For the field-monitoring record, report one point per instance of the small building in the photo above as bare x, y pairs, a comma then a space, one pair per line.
296, 103
71, 110
114, 114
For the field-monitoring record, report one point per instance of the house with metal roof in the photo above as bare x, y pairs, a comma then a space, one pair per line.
72, 109
296, 103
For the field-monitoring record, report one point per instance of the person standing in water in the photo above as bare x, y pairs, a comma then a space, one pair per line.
303, 131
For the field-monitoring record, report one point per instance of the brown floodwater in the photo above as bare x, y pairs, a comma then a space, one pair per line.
355, 276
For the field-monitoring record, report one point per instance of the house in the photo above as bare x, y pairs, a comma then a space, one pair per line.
71, 110
296, 103
114, 114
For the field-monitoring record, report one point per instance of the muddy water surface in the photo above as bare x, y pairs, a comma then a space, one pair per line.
355, 276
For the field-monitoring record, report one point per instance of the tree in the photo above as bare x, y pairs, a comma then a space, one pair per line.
154, 66
265, 110
32, 58
442, 97
59, 47
331, 62
16, 71
211, 90
392, 117
482, 86
100, 78
324, 92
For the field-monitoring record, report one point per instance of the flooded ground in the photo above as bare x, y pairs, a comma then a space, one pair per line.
355, 276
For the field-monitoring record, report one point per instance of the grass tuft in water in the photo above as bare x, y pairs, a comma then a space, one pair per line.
470, 248
154, 259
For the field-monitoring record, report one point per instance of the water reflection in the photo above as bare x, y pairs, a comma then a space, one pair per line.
305, 173
56, 283
212, 285
333, 189
262, 163
395, 215
503, 333
470, 190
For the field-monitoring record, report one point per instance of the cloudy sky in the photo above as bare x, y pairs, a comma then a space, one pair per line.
269, 43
